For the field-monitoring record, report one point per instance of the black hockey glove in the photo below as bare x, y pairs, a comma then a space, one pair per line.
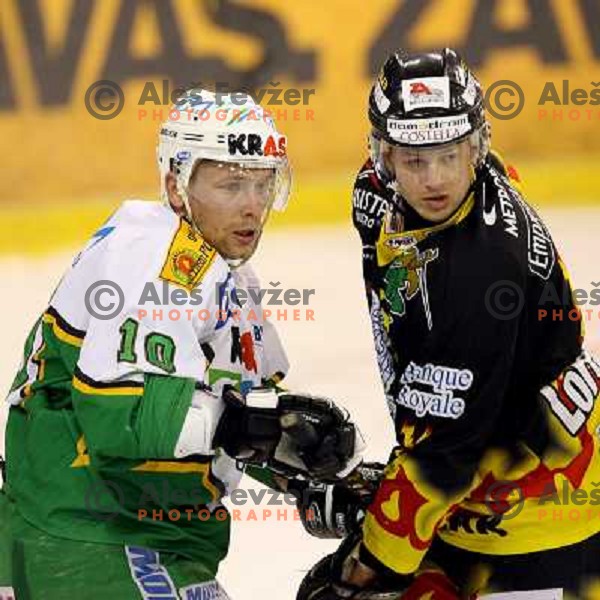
337, 510
327, 580
295, 435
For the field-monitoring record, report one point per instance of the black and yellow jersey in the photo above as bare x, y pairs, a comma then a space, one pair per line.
480, 349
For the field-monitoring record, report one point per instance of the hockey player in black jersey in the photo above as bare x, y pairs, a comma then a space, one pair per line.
494, 406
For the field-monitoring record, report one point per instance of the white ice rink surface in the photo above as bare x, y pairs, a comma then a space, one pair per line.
332, 355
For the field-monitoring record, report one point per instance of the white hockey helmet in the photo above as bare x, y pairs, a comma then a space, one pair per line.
225, 128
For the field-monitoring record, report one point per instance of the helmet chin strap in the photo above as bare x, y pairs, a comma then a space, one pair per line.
188, 211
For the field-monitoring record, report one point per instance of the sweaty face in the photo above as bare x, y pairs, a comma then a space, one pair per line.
230, 204
433, 181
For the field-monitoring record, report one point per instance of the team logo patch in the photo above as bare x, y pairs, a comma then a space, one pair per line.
184, 263
426, 92
189, 258
406, 277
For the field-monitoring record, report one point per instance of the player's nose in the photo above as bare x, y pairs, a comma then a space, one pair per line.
434, 176
253, 202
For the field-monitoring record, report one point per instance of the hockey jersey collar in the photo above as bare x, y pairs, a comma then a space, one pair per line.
393, 241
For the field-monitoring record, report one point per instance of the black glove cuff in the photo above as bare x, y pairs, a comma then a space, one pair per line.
246, 432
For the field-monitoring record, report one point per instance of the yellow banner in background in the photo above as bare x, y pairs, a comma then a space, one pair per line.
313, 61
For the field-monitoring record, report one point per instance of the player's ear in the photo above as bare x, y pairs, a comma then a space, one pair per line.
175, 199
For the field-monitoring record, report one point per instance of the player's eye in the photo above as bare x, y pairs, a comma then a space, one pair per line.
264, 186
413, 163
232, 185
450, 157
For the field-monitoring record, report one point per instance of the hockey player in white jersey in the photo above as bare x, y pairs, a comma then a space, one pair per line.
146, 372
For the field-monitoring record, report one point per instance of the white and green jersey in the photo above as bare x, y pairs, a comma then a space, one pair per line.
146, 315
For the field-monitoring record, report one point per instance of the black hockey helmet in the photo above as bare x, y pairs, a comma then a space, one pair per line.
426, 100
436, 88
